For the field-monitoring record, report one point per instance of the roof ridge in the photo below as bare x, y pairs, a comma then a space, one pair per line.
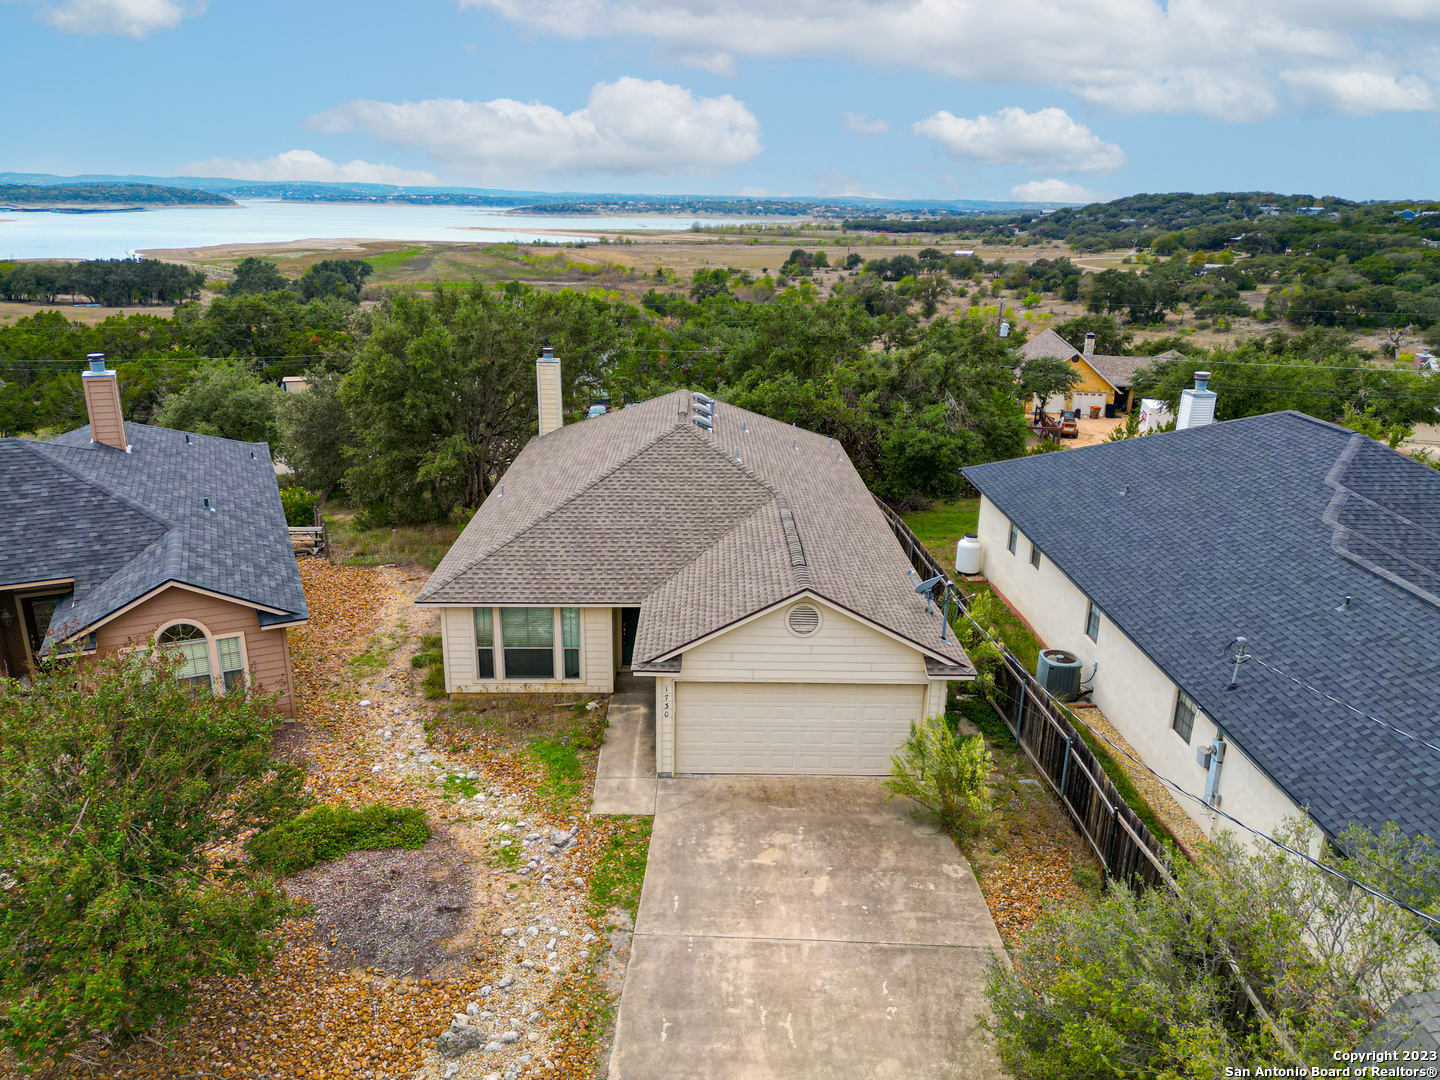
792, 541
36, 449
432, 586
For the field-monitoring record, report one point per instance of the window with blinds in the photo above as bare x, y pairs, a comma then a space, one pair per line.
232, 662
485, 642
570, 639
528, 638
187, 642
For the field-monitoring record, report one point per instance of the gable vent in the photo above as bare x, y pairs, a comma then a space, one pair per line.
803, 619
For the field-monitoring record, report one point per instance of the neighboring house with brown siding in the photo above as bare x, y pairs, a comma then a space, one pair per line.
739, 562
120, 534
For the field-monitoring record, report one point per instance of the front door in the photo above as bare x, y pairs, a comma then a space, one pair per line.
629, 623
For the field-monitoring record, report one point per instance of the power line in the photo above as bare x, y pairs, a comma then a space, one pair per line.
1346, 705
1197, 798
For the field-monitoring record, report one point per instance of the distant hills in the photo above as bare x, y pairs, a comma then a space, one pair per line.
533, 202
31, 196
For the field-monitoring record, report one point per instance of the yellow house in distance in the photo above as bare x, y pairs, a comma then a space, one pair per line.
1104, 380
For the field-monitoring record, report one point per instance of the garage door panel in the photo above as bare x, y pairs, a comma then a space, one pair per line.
792, 728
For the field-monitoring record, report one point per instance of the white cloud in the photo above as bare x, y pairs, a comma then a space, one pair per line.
1048, 139
129, 18
1229, 59
861, 124
839, 183
1054, 191
754, 192
628, 126
302, 165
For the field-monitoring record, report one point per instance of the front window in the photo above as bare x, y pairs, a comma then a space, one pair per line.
1014, 539
1035, 556
1092, 621
188, 642
528, 635
485, 642
570, 638
1184, 720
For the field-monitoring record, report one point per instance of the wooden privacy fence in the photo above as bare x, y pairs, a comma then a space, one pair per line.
1120, 840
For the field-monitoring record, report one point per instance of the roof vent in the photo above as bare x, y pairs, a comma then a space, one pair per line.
803, 619
702, 422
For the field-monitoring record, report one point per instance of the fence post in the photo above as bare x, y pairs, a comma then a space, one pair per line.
1065, 769
1020, 714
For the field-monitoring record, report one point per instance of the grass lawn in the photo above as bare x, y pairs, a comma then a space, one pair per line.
408, 545
939, 529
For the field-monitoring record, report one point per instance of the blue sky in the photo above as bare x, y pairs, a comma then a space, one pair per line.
1053, 99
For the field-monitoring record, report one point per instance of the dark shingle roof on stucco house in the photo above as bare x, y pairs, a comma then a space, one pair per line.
1263, 527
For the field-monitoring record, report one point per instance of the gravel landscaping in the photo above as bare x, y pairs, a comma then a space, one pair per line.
483, 954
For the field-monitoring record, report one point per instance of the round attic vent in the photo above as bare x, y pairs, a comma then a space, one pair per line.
803, 619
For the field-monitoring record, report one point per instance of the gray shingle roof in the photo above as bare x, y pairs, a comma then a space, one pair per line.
124, 524
641, 507
1261, 527
1048, 343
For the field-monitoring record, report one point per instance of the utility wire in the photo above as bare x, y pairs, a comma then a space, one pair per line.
1346, 705
1199, 799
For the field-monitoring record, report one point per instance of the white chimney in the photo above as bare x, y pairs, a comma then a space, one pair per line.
102, 402
1197, 404
551, 397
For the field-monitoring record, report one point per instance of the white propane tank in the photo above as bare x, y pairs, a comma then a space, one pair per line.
968, 554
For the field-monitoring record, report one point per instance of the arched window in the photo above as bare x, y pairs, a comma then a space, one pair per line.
189, 642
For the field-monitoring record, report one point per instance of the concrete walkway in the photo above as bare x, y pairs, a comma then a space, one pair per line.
625, 774
805, 928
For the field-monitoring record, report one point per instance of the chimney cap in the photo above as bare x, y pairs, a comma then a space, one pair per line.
97, 362
547, 352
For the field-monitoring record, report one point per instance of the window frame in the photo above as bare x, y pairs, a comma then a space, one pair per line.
1092, 620
535, 651
566, 648
1035, 555
1014, 541
216, 673
1184, 703
491, 648
221, 672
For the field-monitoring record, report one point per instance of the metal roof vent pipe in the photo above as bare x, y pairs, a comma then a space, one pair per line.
551, 395
1197, 404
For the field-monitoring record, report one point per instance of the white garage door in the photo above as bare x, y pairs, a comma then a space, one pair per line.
1085, 398
825, 729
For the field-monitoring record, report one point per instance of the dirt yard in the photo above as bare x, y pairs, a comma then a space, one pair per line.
493, 918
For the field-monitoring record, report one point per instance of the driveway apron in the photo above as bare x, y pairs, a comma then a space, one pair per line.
803, 928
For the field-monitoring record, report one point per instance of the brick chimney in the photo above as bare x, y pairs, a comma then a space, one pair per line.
102, 402
1090, 343
551, 397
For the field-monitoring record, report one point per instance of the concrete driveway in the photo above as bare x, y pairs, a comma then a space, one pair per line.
802, 927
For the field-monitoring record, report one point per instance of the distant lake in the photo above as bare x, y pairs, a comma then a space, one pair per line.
115, 235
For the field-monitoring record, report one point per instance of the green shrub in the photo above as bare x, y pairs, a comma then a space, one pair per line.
1140, 986
116, 785
948, 776
432, 659
331, 832
299, 506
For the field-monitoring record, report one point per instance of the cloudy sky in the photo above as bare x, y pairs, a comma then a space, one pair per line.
1031, 99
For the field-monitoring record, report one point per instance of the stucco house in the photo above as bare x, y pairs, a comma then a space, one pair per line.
739, 562
1105, 380
120, 534
1148, 558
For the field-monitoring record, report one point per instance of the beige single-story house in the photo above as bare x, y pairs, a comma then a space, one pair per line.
1148, 559
119, 534
739, 562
